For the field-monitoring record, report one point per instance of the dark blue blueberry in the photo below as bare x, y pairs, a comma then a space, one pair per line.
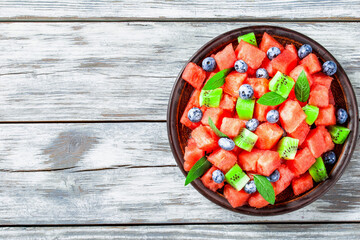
272, 116
218, 176
274, 176
329, 68
195, 115
329, 158
246, 91
250, 187
252, 124
341, 115
209, 64
241, 66
226, 144
262, 73
304, 50
273, 53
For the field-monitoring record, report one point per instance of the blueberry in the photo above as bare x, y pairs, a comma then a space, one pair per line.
241, 66
252, 124
329, 157
195, 115
341, 115
329, 68
209, 64
218, 176
246, 91
262, 73
304, 50
226, 144
273, 53
272, 116
250, 187
274, 176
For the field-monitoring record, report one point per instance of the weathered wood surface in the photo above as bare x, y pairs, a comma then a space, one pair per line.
119, 71
236, 231
179, 9
121, 173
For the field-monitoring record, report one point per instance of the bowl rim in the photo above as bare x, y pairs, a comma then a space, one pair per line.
347, 149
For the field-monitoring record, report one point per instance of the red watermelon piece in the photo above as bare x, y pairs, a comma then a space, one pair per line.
231, 126
268, 162
192, 154
204, 138
329, 144
268, 135
234, 197
267, 65
300, 132
322, 79
250, 54
194, 75
233, 81
260, 86
292, 49
261, 111
319, 96
215, 114
223, 159
294, 74
248, 160
312, 63
286, 176
315, 142
302, 184
326, 116
225, 58
227, 103
285, 62
267, 42
302, 162
209, 182
257, 201
291, 115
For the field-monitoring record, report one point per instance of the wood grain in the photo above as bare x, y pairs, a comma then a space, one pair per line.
119, 71
121, 173
179, 9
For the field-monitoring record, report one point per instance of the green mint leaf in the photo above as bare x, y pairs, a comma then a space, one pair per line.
199, 168
217, 80
302, 87
271, 99
265, 188
215, 129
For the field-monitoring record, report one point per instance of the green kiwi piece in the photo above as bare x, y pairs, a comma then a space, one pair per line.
211, 98
318, 170
339, 134
236, 177
312, 112
245, 108
249, 38
246, 140
281, 84
287, 147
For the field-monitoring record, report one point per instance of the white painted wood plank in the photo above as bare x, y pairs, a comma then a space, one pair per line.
119, 71
120, 173
178, 9
175, 232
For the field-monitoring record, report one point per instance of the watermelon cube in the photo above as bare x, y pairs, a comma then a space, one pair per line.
194, 75
223, 159
300, 132
192, 154
231, 126
250, 54
292, 49
226, 57
268, 162
208, 181
312, 63
326, 116
302, 162
302, 184
315, 142
329, 144
269, 42
268, 135
261, 111
285, 62
234, 197
267, 65
296, 72
291, 115
204, 138
286, 176
215, 114
322, 79
259, 85
193, 102
227, 103
248, 160
257, 201
233, 81
319, 96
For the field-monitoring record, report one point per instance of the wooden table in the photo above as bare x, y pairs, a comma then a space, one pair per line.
84, 91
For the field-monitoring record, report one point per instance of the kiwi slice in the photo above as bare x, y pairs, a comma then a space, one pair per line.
318, 170
236, 177
311, 112
245, 108
246, 140
249, 38
287, 147
211, 98
339, 134
281, 84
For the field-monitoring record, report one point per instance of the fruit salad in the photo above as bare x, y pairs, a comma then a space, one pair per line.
263, 119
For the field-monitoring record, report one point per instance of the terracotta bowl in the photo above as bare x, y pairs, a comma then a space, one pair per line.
342, 91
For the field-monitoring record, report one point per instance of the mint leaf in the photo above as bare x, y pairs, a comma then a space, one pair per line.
217, 80
215, 129
199, 168
271, 99
265, 188
302, 87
